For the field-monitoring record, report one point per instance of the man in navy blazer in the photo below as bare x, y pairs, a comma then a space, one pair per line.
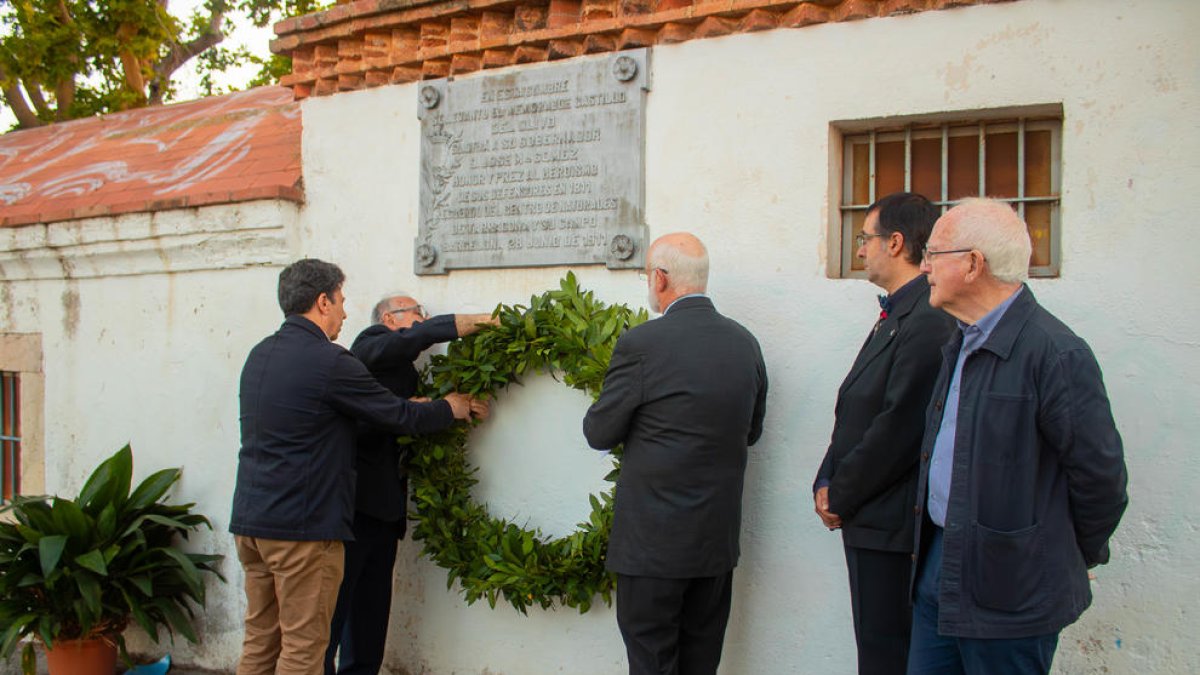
1022, 473
867, 483
400, 330
685, 394
293, 502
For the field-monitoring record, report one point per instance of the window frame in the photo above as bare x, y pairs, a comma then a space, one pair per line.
10, 443
1045, 117
21, 353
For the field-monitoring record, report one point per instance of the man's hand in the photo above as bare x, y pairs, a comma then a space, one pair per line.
467, 324
821, 503
480, 409
460, 404
420, 399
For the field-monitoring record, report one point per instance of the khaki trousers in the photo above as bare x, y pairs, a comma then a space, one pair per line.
291, 589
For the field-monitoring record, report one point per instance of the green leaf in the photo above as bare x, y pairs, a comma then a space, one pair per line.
89, 590
154, 487
109, 483
94, 561
142, 583
16, 629
50, 550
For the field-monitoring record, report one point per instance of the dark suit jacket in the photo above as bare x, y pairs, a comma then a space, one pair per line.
300, 398
389, 355
871, 463
686, 394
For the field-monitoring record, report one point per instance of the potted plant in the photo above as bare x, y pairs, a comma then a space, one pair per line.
73, 572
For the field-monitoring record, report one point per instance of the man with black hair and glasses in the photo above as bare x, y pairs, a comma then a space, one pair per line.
400, 330
293, 502
866, 485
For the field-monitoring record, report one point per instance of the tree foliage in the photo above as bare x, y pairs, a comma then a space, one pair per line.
65, 59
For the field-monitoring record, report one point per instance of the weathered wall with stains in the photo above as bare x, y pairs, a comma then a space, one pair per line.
143, 342
739, 151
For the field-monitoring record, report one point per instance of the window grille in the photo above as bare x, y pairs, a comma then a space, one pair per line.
1016, 160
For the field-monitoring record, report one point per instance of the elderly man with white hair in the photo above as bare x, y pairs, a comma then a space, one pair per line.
686, 394
1022, 475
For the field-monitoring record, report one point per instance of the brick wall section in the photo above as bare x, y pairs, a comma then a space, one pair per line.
368, 43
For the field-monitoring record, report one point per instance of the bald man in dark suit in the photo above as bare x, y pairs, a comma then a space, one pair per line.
685, 394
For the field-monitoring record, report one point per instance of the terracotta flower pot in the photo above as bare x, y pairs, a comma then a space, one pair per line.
82, 657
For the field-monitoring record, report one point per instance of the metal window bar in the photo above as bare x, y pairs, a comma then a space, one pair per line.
10, 442
944, 203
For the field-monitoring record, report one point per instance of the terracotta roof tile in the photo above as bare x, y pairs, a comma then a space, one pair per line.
239, 147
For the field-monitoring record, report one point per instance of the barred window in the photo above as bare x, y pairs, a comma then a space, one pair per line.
1014, 159
10, 434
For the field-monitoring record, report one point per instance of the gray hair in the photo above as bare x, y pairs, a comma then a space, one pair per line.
995, 229
685, 273
385, 304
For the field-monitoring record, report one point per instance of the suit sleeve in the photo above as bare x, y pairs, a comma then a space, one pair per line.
1076, 419
887, 451
353, 392
607, 422
404, 345
760, 403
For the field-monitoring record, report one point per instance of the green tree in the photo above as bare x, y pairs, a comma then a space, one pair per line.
65, 59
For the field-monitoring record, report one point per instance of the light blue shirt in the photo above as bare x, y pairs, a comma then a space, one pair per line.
940, 467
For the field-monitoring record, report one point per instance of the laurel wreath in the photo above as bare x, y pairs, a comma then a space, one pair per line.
565, 332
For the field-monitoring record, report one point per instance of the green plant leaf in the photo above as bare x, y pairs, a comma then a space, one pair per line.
94, 561
89, 590
142, 583
50, 550
16, 629
154, 487
109, 483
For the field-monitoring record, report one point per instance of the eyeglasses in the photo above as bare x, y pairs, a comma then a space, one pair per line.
412, 308
644, 275
927, 255
860, 239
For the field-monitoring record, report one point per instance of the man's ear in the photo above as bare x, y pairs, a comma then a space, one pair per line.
977, 263
323, 302
895, 244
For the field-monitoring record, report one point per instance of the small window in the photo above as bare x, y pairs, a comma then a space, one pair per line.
1014, 159
10, 434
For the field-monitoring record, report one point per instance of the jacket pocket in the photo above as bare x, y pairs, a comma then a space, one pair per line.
1009, 566
1005, 418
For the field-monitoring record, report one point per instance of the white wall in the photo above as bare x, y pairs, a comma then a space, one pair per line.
144, 345
738, 151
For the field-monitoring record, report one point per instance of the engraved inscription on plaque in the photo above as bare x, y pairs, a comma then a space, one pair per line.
542, 165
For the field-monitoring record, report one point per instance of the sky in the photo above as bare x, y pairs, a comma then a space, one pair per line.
187, 79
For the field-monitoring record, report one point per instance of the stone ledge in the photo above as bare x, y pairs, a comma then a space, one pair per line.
369, 43
185, 240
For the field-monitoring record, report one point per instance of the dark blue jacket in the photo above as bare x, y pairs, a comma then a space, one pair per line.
1037, 483
389, 355
300, 398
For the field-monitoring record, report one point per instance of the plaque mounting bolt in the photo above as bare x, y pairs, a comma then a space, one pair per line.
430, 97
426, 255
625, 68
621, 247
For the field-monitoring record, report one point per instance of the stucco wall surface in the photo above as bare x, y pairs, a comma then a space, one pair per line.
143, 343
739, 150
